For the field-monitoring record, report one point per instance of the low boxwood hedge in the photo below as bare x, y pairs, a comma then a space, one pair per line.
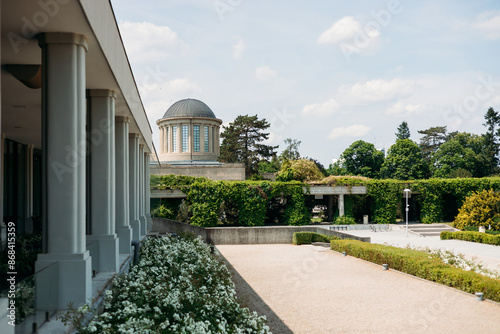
301, 238
421, 264
483, 238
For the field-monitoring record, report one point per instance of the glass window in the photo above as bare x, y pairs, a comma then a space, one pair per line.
174, 138
196, 138
185, 138
206, 139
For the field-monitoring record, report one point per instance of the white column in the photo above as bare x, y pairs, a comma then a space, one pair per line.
142, 207
165, 139
102, 175
122, 227
148, 191
134, 185
162, 140
341, 205
64, 150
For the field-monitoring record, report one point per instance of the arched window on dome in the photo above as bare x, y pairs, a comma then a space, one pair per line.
174, 138
185, 138
206, 139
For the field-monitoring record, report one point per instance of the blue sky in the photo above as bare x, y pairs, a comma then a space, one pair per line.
327, 73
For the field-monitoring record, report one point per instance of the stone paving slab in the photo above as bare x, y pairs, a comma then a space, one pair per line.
310, 289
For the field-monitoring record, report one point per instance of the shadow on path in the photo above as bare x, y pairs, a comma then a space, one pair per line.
249, 298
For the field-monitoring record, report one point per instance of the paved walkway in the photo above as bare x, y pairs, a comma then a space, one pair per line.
488, 254
310, 289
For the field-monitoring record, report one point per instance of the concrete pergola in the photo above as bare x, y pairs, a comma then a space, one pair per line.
317, 191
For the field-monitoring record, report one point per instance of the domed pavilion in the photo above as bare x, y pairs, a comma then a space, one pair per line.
189, 133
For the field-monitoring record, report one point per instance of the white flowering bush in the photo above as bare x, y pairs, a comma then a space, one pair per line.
177, 287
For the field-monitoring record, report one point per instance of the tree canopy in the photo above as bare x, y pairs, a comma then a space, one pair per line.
242, 142
362, 158
299, 170
432, 139
404, 161
403, 131
291, 152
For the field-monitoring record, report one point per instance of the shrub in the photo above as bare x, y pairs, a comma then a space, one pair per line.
479, 209
162, 212
302, 238
421, 264
344, 220
476, 229
177, 287
483, 238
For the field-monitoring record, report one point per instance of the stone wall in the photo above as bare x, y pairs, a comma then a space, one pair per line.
244, 235
226, 172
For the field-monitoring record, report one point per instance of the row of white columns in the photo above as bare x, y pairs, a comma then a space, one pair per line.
118, 176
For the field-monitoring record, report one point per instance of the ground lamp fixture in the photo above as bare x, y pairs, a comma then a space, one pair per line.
407, 194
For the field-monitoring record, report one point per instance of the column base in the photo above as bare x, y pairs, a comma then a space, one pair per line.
107, 252
61, 279
124, 239
136, 230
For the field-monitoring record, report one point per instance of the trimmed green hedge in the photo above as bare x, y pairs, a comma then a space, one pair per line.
421, 264
483, 238
302, 238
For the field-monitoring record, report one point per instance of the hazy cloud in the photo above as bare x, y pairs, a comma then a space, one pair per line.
355, 130
265, 73
239, 49
324, 108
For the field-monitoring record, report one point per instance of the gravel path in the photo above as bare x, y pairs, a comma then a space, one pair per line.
310, 289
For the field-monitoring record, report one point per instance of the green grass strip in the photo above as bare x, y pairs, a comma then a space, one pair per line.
421, 264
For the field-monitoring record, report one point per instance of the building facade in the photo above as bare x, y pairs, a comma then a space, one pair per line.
76, 143
190, 143
189, 131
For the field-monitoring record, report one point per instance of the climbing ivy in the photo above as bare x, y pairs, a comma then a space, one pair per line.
255, 203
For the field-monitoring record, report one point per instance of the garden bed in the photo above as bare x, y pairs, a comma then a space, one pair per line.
177, 287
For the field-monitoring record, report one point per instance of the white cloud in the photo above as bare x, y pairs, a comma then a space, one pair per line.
145, 41
351, 36
325, 108
401, 108
274, 138
239, 49
265, 73
180, 87
355, 130
489, 23
344, 29
376, 90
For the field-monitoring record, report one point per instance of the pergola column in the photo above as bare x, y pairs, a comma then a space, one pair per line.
63, 173
122, 226
341, 205
142, 203
102, 175
134, 185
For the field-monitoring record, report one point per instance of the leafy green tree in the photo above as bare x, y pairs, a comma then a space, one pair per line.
362, 158
404, 161
491, 136
291, 152
403, 131
337, 168
242, 142
462, 152
432, 139
272, 166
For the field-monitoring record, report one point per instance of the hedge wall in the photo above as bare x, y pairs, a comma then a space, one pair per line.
483, 238
254, 203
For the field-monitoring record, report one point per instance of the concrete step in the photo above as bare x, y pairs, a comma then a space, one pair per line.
430, 234
425, 230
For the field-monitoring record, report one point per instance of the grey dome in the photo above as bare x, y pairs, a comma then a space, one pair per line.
189, 108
